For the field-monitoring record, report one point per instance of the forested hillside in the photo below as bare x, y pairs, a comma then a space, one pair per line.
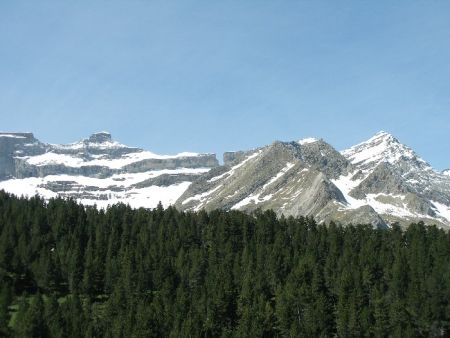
68, 270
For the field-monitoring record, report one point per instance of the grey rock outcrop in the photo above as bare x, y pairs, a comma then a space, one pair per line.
200, 161
14, 144
383, 179
323, 157
101, 137
362, 215
231, 157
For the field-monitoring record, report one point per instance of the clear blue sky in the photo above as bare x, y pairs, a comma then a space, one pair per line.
212, 76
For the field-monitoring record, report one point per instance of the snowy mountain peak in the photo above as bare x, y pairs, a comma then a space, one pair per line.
383, 134
382, 147
446, 172
382, 137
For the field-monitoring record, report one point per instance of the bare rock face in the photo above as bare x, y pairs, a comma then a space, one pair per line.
231, 157
383, 179
361, 215
12, 144
200, 161
291, 178
323, 157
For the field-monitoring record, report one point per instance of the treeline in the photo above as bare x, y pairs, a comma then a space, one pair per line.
73, 271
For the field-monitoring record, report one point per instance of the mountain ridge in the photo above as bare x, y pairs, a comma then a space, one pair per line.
378, 181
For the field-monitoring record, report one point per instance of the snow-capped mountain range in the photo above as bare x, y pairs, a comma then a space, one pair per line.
96, 170
379, 181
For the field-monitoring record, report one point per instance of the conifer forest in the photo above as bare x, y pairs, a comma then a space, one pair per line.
69, 270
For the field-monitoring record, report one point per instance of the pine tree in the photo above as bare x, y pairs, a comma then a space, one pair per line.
53, 317
5, 301
30, 321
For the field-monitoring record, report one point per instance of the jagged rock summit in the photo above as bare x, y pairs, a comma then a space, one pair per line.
101, 137
384, 148
379, 181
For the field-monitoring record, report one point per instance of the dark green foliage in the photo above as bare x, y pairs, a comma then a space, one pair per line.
5, 302
31, 321
72, 271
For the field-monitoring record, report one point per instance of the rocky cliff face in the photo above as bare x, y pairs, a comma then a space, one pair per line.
378, 182
293, 178
97, 170
16, 144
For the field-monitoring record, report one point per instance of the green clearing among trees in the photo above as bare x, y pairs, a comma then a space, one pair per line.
73, 271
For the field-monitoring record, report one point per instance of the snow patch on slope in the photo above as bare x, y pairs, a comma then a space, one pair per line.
233, 169
54, 159
73, 161
148, 197
282, 172
27, 187
389, 209
106, 192
256, 197
308, 140
12, 136
136, 197
201, 197
442, 210
346, 184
